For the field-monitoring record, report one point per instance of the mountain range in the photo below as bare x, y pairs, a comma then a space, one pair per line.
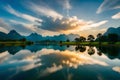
14, 35
112, 30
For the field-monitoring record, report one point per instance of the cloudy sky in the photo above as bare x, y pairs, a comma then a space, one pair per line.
53, 17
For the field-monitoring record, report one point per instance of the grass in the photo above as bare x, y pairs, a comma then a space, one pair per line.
15, 43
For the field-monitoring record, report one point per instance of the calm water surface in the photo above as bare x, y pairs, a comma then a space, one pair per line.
52, 62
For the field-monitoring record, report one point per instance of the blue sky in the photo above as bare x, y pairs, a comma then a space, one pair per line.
54, 17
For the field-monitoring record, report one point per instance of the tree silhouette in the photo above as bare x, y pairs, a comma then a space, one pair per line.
76, 39
82, 39
91, 50
67, 40
99, 35
90, 38
80, 48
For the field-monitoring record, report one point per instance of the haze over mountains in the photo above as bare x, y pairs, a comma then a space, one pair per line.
13, 35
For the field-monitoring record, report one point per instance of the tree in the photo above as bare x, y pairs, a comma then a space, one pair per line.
99, 35
91, 38
80, 48
67, 40
76, 39
82, 39
91, 51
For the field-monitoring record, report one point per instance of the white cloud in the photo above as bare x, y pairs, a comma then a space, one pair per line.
23, 28
21, 15
45, 10
50, 70
4, 27
93, 25
116, 16
3, 30
108, 5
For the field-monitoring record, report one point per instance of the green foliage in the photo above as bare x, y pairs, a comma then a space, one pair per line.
80, 39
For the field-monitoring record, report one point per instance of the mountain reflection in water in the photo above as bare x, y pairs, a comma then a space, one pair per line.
41, 62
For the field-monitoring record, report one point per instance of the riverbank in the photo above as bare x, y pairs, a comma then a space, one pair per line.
15, 43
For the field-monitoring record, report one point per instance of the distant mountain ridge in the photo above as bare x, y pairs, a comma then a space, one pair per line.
14, 35
61, 37
112, 30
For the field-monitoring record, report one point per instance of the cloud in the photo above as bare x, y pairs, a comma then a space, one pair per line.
20, 27
108, 5
93, 25
27, 28
4, 56
116, 16
69, 25
3, 30
4, 27
65, 4
21, 15
23, 28
44, 10
117, 69
67, 58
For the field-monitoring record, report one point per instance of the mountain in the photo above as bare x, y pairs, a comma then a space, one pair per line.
34, 37
13, 35
112, 30
62, 37
3, 36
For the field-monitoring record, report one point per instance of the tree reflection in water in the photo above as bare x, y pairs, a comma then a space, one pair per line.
111, 52
91, 50
80, 48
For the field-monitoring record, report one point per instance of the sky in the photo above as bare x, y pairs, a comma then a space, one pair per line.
54, 17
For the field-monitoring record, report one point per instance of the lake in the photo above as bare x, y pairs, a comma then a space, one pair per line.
54, 62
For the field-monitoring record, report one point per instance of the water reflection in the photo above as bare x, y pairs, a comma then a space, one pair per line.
80, 48
58, 63
111, 51
91, 50
33, 48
